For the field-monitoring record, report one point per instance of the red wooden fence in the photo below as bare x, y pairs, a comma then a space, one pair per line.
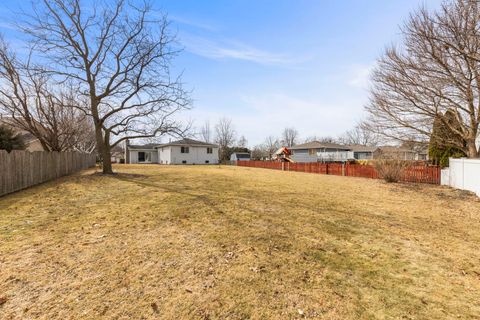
415, 173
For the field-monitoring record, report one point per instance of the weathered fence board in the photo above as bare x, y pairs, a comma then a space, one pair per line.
22, 169
414, 173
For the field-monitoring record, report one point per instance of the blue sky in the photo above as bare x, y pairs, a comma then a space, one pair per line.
272, 64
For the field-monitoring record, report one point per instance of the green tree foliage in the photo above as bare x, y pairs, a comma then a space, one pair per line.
444, 143
9, 140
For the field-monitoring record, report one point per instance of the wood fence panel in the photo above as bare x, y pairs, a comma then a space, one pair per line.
22, 169
414, 173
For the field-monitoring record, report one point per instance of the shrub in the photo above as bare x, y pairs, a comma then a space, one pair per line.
391, 170
9, 140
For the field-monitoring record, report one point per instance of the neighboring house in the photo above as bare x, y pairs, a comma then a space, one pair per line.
361, 152
244, 156
316, 151
31, 142
185, 151
422, 154
390, 152
331, 152
142, 153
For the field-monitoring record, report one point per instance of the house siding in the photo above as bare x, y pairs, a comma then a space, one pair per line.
164, 155
34, 146
363, 155
303, 155
196, 155
133, 156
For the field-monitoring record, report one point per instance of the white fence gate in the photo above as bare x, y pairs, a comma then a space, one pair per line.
463, 174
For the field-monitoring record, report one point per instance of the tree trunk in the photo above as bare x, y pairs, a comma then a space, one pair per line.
107, 155
106, 161
472, 149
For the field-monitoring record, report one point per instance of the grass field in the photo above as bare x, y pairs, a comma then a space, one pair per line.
210, 242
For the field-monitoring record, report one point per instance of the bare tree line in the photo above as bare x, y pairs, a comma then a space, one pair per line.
32, 103
113, 60
225, 135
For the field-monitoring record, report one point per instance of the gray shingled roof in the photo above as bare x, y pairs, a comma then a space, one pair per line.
188, 142
142, 146
242, 155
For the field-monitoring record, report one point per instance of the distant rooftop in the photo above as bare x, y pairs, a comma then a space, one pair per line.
187, 142
362, 148
182, 142
142, 146
319, 145
242, 155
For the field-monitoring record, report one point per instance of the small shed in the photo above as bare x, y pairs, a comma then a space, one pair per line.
244, 156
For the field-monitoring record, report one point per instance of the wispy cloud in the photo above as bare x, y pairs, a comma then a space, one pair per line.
7, 25
359, 75
231, 49
192, 23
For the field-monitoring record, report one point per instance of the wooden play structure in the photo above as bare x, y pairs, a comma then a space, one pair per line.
283, 155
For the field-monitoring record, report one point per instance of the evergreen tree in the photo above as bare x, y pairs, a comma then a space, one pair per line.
445, 143
9, 140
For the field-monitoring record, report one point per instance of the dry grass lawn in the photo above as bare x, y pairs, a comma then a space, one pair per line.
210, 242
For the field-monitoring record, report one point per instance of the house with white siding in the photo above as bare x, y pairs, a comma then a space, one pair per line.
184, 151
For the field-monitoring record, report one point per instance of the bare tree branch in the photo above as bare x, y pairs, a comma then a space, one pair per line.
436, 69
118, 56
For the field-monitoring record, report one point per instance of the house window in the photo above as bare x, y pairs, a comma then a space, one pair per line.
184, 161
209, 150
141, 156
184, 150
312, 152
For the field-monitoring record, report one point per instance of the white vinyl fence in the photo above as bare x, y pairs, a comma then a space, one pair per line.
463, 174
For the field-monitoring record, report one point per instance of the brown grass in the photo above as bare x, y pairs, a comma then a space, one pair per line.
210, 242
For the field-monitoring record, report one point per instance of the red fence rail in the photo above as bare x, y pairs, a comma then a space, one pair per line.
415, 173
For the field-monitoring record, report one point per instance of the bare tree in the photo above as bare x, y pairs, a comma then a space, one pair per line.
242, 142
84, 140
436, 69
326, 139
30, 102
271, 145
311, 138
206, 132
118, 55
360, 134
224, 137
260, 152
290, 136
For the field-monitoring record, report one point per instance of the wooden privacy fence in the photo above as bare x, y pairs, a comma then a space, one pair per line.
22, 169
415, 173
